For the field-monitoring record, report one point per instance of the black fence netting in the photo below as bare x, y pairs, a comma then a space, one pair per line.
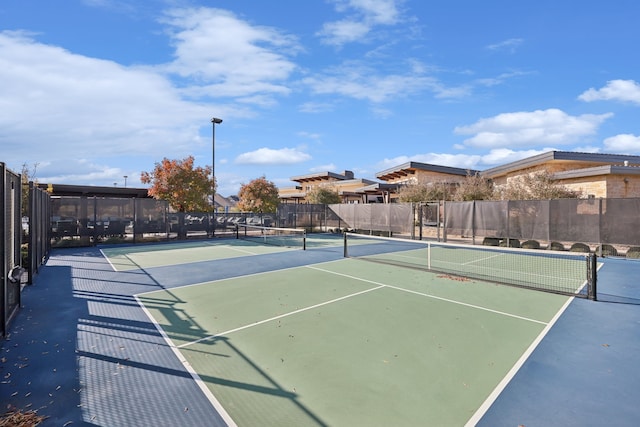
11, 266
563, 224
580, 225
603, 226
85, 221
36, 230
374, 217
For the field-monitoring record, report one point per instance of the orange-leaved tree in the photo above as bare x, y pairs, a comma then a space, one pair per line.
185, 188
259, 195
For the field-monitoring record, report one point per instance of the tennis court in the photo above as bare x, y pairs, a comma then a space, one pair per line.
284, 336
345, 342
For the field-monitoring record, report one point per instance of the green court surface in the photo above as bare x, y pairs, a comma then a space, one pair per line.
351, 343
147, 256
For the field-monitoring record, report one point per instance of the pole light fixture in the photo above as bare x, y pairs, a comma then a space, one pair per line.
214, 121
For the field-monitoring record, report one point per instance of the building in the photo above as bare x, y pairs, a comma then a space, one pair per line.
345, 184
590, 174
593, 175
415, 172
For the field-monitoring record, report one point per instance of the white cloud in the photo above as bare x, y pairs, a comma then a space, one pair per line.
535, 128
268, 156
442, 159
365, 15
308, 135
377, 11
354, 80
500, 156
63, 105
362, 81
323, 168
87, 172
494, 157
509, 45
241, 59
615, 90
623, 143
494, 81
315, 107
341, 32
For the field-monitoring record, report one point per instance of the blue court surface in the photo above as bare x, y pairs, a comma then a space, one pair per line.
82, 351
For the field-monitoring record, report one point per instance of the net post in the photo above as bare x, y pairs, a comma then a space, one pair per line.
237, 231
304, 240
592, 274
344, 236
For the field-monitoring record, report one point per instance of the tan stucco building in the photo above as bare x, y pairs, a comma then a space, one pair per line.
416, 172
345, 184
590, 174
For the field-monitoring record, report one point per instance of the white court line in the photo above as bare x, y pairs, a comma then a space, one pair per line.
224, 279
279, 317
227, 418
137, 266
113, 267
243, 250
478, 307
482, 259
201, 384
516, 367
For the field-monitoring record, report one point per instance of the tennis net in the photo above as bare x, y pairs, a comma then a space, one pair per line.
565, 273
278, 236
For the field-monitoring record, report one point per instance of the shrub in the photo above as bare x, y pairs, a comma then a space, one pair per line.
633, 252
512, 243
491, 241
531, 244
556, 246
606, 250
580, 247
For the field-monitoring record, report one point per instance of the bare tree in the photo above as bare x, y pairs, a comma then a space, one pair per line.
474, 187
535, 186
425, 190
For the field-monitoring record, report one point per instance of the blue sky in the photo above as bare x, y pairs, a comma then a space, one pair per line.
93, 90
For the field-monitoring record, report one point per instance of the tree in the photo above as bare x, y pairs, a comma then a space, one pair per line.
424, 191
474, 187
324, 195
535, 186
259, 195
27, 176
184, 187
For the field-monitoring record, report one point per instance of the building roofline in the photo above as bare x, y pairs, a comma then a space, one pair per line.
356, 180
377, 187
319, 175
91, 191
293, 196
401, 170
598, 170
558, 155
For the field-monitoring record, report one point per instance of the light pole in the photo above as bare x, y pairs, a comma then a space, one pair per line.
214, 121
125, 180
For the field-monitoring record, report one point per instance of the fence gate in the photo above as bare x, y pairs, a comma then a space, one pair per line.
39, 228
10, 269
